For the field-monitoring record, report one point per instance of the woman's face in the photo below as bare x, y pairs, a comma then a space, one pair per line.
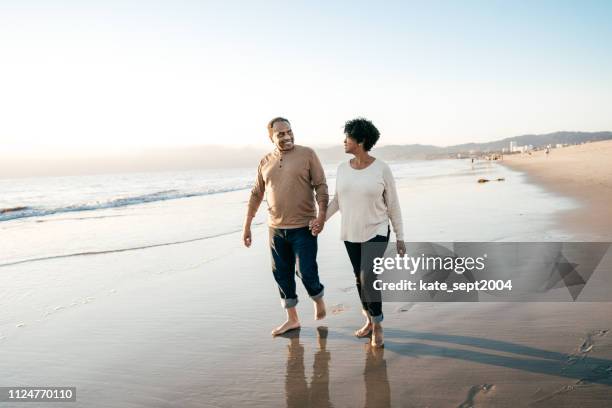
350, 145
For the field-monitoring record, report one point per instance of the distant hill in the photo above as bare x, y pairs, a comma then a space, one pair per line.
202, 157
424, 152
534, 140
389, 152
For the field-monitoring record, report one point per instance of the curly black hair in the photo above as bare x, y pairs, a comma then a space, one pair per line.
362, 131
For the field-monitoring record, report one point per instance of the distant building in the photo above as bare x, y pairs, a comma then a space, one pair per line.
514, 148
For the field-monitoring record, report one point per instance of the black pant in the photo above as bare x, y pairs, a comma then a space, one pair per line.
364, 274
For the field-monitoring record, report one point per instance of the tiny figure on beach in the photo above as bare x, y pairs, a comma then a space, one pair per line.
292, 179
367, 199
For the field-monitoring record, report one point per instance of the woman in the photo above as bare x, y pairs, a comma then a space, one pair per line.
366, 197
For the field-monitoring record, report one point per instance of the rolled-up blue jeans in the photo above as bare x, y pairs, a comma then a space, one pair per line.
288, 247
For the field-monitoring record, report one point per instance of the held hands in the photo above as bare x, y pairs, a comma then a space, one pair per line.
316, 225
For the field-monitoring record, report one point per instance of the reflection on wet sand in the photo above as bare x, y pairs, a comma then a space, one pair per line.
377, 390
299, 393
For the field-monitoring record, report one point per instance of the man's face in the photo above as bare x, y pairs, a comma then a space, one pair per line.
282, 136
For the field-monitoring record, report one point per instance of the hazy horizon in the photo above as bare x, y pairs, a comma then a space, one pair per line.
155, 159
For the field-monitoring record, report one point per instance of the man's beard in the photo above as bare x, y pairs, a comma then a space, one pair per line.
284, 144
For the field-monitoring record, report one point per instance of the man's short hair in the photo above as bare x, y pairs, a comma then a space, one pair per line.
273, 121
362, 131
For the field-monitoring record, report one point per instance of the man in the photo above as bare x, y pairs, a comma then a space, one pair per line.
288, 176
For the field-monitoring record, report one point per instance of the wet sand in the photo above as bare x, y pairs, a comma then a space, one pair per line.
583, 172
199, 337
188, 325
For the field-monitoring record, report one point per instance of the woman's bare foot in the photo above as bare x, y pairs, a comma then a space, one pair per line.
285, 327
365, 330
367, 327
319, 306
377, 336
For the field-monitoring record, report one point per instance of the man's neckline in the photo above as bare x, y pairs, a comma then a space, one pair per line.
283, 152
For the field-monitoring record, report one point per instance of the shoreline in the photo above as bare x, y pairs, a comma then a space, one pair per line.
582, 172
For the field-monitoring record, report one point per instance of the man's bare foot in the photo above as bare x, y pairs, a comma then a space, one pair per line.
285, 327
365, 330
319, 306
377, 336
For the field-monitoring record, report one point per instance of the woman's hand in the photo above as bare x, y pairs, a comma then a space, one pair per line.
401, 248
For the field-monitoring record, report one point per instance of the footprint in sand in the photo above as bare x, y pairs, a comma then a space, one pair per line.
598, 374
586, 346
588, 343
347, 289
339, 308
474, 392
404, 308
541, 396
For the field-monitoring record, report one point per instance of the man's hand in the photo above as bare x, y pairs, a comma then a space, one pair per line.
246, 231
246, 236
401, 248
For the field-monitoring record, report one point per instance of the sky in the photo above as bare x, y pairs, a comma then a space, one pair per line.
113, 75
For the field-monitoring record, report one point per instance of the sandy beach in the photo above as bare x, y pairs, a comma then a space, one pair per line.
581, 171
140, 306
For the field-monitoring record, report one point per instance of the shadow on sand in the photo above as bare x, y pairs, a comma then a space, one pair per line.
578, 366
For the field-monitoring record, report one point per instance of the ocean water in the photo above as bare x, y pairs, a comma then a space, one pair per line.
44, 196
81, 195
53, 217
50, 219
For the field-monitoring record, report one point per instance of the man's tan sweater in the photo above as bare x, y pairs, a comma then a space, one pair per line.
288, 178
